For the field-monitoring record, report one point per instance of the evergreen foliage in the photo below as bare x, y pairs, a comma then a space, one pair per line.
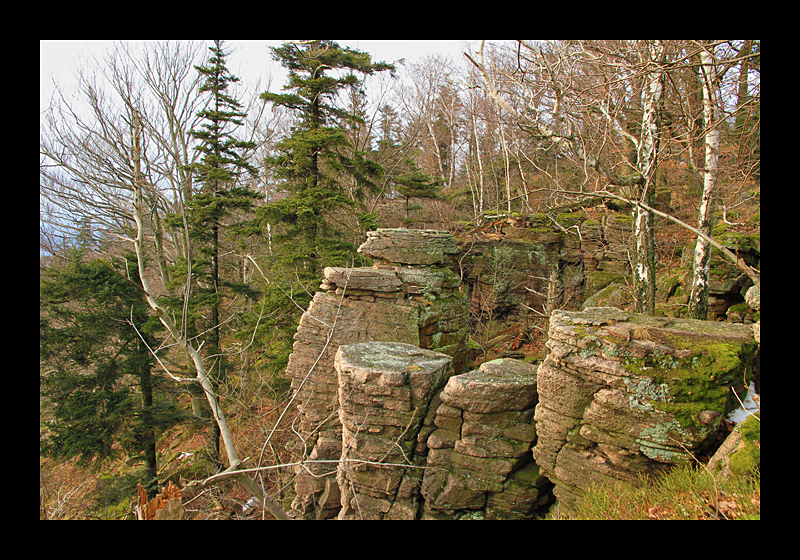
415, 184
219, 197
95, 367
313, 163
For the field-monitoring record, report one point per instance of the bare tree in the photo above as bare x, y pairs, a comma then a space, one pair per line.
121, 166
602, 105
711, 70
558, 113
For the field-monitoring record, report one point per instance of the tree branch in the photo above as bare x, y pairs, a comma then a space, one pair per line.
752, 273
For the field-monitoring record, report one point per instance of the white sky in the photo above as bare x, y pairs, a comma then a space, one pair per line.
249, 60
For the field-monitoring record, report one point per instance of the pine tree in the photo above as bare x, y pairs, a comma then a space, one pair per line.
94, 333
219, 197
415, 184
313, 161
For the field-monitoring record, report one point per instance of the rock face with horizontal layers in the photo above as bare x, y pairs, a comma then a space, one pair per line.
385, 392
419, 443
479, 459
409, 246
408, 296
621, 394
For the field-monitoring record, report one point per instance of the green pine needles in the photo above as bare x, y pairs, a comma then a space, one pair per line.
317, 167
101, 397
220, 201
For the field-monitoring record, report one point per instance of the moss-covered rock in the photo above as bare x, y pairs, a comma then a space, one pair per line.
740, 453
622, 394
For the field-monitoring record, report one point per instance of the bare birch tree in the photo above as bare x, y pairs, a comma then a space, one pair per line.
601, 105
121, 166
556, 109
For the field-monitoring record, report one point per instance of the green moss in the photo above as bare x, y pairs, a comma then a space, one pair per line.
748, 459
736, 240
567, 219
697, 382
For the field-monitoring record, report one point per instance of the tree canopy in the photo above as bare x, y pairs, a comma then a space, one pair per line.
316, 158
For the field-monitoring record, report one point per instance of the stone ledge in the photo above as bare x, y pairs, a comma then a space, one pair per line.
409, 246
498, 386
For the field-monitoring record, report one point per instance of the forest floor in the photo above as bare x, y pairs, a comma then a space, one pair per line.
69, 491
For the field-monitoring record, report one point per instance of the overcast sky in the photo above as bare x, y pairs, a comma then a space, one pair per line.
249, 59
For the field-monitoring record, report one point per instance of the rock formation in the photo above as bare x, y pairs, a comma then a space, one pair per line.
622, 394
740, 452
507, 262
408, 296
479, 459
415, 448
409, 246
390, 428
385, 391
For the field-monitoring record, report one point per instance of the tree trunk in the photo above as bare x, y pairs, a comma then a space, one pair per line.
149, 437
202, 376
507, 162
480, 166
550, 305
698, 300
647, 162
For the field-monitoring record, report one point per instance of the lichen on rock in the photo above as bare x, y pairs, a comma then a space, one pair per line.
621, 394
479, 460
385, 390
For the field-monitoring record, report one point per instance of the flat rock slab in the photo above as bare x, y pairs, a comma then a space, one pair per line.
363, 279
409, 246
391, 364
498, 386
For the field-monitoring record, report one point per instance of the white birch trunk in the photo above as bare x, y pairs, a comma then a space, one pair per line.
480, 163
647, 160
507, 161
698, 301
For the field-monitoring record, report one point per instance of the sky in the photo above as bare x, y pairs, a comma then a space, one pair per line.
249, 60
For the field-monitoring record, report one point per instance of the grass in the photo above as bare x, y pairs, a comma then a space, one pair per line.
685, 493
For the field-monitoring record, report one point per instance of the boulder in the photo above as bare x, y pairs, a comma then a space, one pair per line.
740, 453
753, 298
621, 394
500, 385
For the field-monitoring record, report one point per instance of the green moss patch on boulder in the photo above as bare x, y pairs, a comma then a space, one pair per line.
621, 394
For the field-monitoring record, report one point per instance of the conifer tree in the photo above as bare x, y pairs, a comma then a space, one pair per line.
219, 197
94, 333
415, 184
314, 160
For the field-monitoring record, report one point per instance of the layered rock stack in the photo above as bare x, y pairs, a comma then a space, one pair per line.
385, 391
479, 462
408, 296
621, 395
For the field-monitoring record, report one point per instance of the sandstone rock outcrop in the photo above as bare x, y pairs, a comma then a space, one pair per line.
479, 462
741, 450
507, 263
408, 296
409, 246
619, 394
418, 443
622, 394
385, 391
